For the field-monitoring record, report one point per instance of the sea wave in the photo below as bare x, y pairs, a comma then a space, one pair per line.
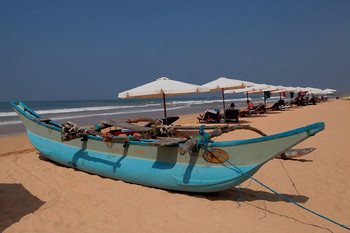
57, 118
116, 113
10, 123
82, 109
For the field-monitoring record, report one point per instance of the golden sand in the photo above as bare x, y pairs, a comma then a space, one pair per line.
37, 195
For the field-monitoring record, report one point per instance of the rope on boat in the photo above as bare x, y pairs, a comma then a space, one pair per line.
237, 169
203, 138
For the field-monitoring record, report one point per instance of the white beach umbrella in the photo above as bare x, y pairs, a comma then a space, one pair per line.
279, 91
323, 92
301, 89
290, 89
272, 88
255, 89
287, 90
282, 89
160, 88
243, 90
249, 90
330, 90
222, 84
312, 90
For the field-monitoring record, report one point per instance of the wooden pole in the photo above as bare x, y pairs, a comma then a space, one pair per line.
223, 102
164, 105
247, 99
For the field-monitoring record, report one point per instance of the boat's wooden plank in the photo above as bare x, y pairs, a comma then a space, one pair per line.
125, 125
140, 119
167, 142
195, 127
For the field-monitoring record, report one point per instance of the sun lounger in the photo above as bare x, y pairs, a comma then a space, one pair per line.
209, 116
259, 109
168, 120
232, 114
274, 107
299, 101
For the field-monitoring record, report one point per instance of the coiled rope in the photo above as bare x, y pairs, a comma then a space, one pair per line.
237, 169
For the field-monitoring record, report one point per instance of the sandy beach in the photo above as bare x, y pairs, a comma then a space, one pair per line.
37, 195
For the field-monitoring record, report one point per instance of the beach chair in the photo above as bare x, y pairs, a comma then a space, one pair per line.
209, 116
313, 100
232, 114
259, 109
168, 120
274, 107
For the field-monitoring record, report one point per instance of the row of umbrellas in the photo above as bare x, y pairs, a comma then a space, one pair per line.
164, 86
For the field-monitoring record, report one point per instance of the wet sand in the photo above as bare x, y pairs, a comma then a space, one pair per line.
37, 195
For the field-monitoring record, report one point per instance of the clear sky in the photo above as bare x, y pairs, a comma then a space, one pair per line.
58, 50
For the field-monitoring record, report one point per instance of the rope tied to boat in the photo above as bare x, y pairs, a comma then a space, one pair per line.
203, 139
237, 169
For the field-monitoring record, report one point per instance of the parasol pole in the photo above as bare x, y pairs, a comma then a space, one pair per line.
223, 102
247, 98
164, 105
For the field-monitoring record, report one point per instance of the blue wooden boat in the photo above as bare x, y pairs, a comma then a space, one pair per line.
159, 166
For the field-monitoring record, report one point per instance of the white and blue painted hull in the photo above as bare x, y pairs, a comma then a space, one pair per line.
160, 167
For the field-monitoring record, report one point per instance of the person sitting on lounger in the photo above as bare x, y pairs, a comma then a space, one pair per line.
250, 105
313, 100
210, 116
232, 114
258, 109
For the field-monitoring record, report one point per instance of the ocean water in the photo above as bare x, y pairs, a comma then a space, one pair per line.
90, 112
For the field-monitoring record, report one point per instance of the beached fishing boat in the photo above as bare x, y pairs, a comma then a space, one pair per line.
157, 163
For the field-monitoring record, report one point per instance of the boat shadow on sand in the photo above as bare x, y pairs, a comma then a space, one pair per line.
16, 202
248, 195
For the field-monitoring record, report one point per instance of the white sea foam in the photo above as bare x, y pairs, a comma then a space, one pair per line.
7, 114
116, 113
10, 122
98, 114
83, 109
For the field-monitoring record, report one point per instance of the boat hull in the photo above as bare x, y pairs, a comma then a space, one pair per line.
160, 167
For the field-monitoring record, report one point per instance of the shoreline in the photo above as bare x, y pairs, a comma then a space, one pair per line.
10, 125
41, 196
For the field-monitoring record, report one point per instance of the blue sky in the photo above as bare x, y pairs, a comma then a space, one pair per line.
61, 50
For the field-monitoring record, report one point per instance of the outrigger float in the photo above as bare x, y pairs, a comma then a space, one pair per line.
156, 155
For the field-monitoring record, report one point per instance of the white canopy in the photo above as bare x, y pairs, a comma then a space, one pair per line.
161, 86
284, 89
226, 84
222, 84
301, 89
291, 89
330, 91
250, 90
312, 90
